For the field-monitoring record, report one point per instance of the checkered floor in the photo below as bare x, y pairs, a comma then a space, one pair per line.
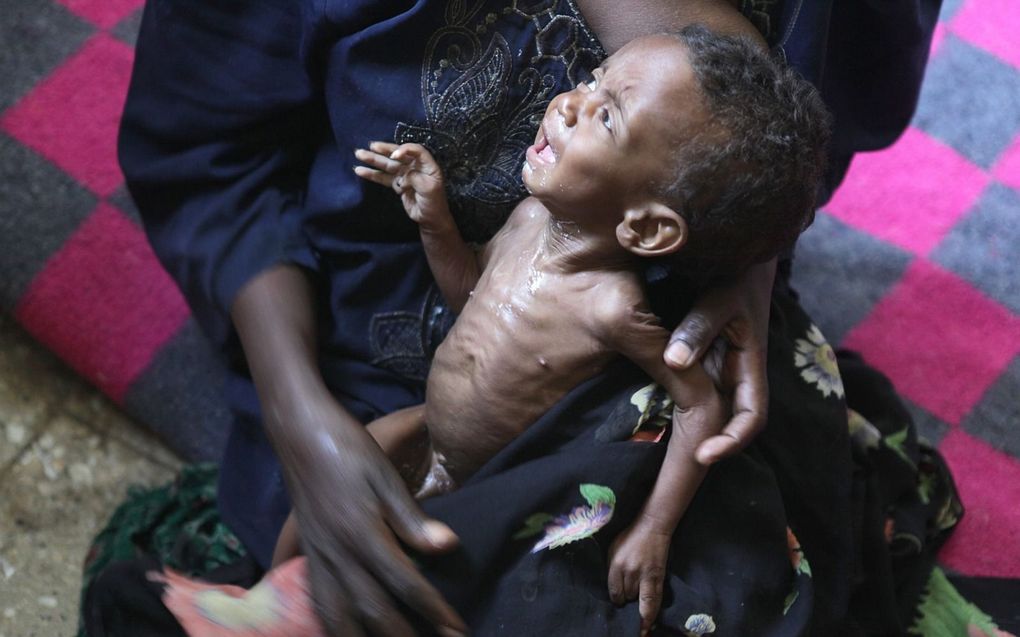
915, 263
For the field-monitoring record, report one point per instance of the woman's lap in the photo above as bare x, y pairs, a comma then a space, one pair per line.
855, 509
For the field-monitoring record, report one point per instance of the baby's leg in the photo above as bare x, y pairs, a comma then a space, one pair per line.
288, 545
405, 441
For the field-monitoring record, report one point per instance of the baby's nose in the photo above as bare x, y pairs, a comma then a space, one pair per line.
568, 105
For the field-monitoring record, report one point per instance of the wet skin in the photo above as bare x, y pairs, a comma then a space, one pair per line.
555, 295
559, 296
331, 464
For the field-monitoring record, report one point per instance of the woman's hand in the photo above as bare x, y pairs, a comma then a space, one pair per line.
349, 501
740, 314
637, 569
351, 505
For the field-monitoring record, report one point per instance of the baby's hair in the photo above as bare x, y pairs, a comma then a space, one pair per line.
746, 183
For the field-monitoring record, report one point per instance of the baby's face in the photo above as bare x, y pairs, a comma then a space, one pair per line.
607, 143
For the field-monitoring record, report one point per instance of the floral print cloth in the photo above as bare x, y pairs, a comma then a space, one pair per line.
828, 521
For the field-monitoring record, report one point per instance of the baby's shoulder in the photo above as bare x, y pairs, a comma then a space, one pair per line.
525, 215
620, 302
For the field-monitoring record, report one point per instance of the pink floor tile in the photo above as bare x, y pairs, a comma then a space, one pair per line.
993, 25
985, 542
936, 38
103, 13
910, 194
1007, 170
941, 341
103, 303
71, 117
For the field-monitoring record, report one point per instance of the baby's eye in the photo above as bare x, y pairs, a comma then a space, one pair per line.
607, 121
592, 83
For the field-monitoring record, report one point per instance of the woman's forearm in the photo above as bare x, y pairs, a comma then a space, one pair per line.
274, 316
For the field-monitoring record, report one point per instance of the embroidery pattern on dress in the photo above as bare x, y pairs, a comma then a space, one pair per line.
404, 342
698, 625
817, 363
582, 522
801, 567
484, 102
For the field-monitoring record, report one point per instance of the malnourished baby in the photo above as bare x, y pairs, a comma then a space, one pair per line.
691, 152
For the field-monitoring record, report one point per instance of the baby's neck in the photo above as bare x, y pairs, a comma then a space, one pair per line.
567, 246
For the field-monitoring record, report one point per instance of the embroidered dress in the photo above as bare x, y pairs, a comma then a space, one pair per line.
237, 145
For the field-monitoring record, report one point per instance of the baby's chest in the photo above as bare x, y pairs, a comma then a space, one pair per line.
528, 330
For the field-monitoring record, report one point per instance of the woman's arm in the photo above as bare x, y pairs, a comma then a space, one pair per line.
348, 499
219, 129
220, 118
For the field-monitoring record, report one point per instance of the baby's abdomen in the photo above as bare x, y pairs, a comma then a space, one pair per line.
477, 401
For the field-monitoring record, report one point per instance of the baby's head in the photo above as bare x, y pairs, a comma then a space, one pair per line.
700, 141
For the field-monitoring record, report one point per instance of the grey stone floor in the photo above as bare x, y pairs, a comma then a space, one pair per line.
67, 457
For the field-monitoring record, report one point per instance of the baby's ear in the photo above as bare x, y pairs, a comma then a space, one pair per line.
652, 230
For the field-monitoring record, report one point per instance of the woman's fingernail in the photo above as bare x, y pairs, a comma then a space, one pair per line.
678, 353
446, 631
438, 533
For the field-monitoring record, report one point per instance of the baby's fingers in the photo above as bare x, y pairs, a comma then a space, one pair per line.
383, 148
376, 160
377, 176
650, 597
419, 156
616, 592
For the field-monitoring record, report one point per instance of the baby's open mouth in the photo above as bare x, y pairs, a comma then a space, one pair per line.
541, 152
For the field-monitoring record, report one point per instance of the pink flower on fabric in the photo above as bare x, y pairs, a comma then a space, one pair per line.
278, 606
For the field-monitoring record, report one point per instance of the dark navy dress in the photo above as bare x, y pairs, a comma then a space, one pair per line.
237, 144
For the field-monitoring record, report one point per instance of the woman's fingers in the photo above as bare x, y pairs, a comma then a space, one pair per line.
695, 334
746, 373
395, 571
409, 522
369, 609
404, 515
332, 601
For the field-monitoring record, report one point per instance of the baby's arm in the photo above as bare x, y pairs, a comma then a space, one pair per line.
413, 173
638, 556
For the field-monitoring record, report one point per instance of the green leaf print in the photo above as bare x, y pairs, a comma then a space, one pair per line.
534, 525
896, 441
596, 494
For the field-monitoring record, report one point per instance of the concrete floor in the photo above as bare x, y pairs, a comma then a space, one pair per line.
67, 458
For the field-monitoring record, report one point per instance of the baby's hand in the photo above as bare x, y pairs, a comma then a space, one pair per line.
412, 172
637, 568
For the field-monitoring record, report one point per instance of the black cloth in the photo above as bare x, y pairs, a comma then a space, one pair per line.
819, 528
237, 146
241, 121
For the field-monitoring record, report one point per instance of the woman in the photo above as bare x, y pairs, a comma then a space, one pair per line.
237, 142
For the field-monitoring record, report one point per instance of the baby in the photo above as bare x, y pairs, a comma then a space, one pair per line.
693, 152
